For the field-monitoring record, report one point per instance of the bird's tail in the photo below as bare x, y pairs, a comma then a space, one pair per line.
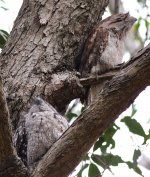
94, 91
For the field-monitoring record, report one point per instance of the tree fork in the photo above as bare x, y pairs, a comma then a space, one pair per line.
39, 56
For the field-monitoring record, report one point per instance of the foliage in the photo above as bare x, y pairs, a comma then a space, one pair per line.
100, 157
1, 6
3, 34
143, 19
3, 38
143, 2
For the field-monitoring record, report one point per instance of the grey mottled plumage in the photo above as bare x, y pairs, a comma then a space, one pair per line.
37, 131
104, 47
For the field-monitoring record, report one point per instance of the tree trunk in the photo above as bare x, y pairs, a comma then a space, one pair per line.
38, 58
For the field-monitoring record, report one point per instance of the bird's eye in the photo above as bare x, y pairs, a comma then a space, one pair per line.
119, 19
114, 30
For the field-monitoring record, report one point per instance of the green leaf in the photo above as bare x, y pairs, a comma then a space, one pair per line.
4, 8
147, 137
97, 145
134, 126
71, 115
86, 157
115, 160
83, 108
3, 38
97, 159
142, 2
134, 110
136, 155
82, 169
137, 25
134, 167
138, 170
107, 140
111, 159
93, 171
147, 23
108, 159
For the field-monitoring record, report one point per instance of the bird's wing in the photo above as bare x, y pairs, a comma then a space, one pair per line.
94, 47
20, 141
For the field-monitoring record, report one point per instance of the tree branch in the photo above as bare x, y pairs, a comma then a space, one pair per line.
6, 147
114, 6
46, 38
10, 165
117, 6
98, 79
117, 95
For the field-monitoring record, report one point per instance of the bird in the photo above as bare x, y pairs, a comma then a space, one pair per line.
37, 131
104, 48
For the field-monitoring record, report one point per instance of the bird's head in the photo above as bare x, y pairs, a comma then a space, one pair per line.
39, 105
119, 23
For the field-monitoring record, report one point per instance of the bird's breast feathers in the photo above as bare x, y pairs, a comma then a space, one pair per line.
113, 52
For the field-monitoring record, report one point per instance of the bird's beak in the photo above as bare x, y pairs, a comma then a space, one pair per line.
133, 19
130, 18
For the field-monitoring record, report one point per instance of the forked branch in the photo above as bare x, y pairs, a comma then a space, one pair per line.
117, 95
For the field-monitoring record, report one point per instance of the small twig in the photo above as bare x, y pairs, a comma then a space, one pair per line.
109, 75
98, 79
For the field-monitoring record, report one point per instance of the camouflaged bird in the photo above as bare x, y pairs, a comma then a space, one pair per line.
37, 131
104, 48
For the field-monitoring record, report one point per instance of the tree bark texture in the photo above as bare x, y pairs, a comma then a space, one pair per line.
117, 95
38, 58
10, 165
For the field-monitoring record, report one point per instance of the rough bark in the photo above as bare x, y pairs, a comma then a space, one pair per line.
10, 165
39, 57
118, 93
